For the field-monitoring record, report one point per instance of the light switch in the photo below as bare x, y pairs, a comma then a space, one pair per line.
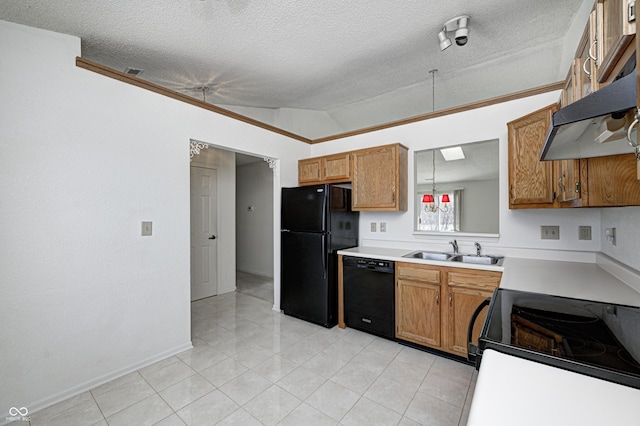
147, 228
550, 232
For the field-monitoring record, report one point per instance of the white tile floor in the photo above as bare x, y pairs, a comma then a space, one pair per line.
253, 366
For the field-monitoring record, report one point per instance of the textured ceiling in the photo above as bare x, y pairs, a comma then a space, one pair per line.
358, 62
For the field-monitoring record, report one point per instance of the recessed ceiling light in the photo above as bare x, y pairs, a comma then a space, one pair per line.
451, 154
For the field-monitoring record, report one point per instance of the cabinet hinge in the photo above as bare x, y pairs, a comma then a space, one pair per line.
632, 11
554, 195
577, 187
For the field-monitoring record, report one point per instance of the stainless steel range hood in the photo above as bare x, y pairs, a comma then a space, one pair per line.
595, 125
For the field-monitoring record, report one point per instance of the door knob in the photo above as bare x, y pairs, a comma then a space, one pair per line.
213, 237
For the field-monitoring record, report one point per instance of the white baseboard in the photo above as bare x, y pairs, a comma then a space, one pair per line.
93, 383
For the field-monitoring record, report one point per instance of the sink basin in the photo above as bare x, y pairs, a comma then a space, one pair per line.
429, 255
481, 260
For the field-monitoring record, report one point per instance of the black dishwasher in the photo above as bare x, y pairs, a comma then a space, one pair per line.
369, 295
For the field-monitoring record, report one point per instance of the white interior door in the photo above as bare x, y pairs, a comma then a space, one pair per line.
204, 228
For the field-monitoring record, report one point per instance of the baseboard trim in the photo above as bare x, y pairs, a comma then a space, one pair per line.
90, 384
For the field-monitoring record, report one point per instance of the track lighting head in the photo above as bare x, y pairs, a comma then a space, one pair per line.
444, 41
457, 25
462, 33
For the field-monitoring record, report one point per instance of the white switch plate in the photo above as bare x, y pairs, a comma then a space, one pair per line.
147, 228
373, 227
584, 232
550, 232
383, 226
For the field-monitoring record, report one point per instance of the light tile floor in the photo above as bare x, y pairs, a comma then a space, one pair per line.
255, 285
251, 365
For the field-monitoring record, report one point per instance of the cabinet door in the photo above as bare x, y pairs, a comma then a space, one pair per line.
530, 180
462, 303
612, 181
466, 289
584, 66
337, 168
568, 91
309, 171
380, 178
567, 176
418, 312
615, 33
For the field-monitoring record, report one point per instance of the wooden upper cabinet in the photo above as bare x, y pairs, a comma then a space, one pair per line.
568, 91
567, 181
380, 178
615, 33
612, 181
585, 65
328, 169
310, 171
530, 180
337, 168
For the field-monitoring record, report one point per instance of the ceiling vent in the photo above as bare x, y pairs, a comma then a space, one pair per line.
133, 71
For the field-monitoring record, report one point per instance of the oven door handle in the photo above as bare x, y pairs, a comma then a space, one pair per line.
472, 349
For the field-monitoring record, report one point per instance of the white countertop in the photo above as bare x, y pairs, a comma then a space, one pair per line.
396, 255
568, 279
514, 391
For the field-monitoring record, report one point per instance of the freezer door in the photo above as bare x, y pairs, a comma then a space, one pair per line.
304, 209
306, 288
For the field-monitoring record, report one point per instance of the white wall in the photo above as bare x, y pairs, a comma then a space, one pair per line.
83, 160
254, 231
626, 220
519, 229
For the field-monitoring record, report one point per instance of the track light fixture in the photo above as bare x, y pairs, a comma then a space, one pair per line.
458, 26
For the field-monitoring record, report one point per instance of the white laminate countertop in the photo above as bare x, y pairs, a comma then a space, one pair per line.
515, 391
568, 279
396, 255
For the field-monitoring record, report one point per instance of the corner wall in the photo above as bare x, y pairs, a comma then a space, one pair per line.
254, 234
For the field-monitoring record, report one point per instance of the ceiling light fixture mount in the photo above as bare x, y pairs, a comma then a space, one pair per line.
458, 26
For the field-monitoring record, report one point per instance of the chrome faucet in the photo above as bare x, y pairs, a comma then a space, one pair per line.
478, 248
454, 243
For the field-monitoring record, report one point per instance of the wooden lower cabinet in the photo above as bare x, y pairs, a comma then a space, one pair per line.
434, 304
466, 290
418, 304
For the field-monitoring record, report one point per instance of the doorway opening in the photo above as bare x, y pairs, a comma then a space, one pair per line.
239, 223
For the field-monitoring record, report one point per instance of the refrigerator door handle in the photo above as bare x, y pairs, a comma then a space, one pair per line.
324, 256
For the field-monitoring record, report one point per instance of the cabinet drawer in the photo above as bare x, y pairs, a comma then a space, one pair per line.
419, 273
485, 281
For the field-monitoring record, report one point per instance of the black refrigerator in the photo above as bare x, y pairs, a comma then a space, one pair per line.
316, 222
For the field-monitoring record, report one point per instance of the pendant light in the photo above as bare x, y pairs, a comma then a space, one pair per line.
431, 202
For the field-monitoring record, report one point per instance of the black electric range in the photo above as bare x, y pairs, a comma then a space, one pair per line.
593, 338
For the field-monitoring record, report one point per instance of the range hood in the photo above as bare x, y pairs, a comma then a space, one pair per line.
595, 125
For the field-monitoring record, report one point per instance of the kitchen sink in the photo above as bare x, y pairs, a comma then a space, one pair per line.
480, 260
429, 255
452, 257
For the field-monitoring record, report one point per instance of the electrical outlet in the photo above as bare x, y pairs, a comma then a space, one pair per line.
383, 226
550, 232
610, 235
147, 228
373, 227
584, 232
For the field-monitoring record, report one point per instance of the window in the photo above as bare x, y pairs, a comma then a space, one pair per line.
442, 217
